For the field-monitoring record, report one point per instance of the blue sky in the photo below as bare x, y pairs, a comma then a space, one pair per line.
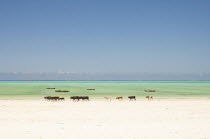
98, 37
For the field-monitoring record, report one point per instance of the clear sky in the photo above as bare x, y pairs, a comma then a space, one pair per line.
109, 36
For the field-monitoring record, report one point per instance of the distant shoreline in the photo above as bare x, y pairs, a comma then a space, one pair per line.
104, 80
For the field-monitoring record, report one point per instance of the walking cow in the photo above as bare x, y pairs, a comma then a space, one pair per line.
133, 98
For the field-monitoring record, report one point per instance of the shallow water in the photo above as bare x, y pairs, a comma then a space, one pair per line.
106, 88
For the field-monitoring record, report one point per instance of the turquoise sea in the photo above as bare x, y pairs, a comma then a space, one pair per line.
105, 88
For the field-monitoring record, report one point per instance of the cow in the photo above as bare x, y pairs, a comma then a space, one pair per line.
86, 98
132, 98
47, 97
119, 98
108, 98
75, 98
149, 97
61, 98
55, 98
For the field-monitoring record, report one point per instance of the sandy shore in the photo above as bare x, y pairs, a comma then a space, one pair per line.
100, 119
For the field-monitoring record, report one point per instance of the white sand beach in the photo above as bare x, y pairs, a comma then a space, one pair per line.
100, 119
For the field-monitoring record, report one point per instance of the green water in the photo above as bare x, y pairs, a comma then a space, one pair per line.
106, 88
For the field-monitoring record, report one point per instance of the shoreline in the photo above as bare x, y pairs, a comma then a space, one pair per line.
96, 98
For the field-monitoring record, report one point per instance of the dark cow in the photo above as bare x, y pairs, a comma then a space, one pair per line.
132, 98
61, 98
55, 98
86, 98
47, 97
119, 98
77, 98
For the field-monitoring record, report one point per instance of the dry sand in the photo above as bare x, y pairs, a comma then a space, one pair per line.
100, 119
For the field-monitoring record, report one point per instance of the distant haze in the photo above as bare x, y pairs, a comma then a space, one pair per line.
105, 76
105, 40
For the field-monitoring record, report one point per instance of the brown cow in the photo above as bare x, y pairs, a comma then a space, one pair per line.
149, 97
119, 98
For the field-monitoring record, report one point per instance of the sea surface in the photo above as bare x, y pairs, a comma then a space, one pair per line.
105, 88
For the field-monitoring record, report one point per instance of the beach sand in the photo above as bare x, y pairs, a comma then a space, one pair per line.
100, 119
